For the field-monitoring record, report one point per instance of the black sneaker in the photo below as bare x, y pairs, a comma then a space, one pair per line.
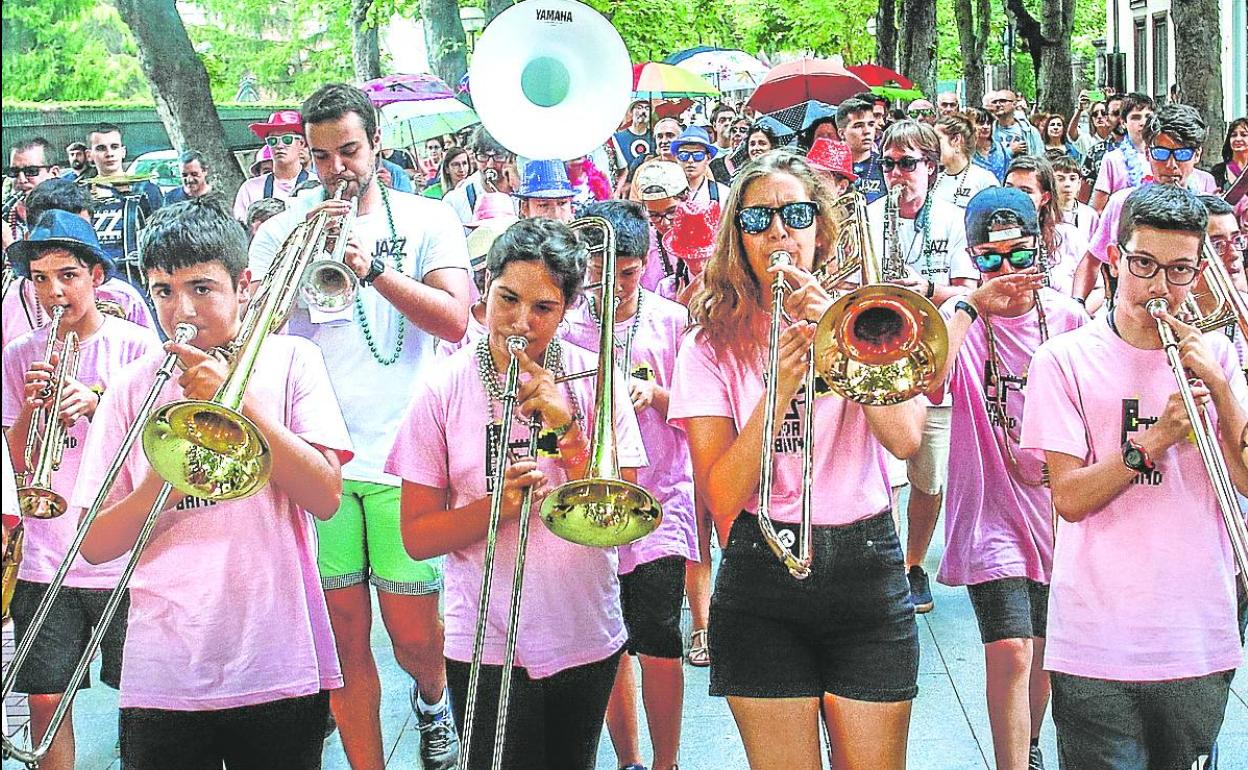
1035, 760
920, 590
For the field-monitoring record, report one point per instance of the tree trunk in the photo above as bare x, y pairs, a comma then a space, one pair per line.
180, 87
916, 58
495, 7
365, 49
444, 37
1049, 44
886, 34
1198, 43
973, 30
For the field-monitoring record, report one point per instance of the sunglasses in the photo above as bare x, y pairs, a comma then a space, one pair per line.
1098, 114
286, 139
697, 156
991, 261
27, 171
1163, 154
907, 163
798, 215
924, 113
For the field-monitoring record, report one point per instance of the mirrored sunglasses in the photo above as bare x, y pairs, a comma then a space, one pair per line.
1163, 154
697, 156
907, 163
798, 215
991, 261
286, 139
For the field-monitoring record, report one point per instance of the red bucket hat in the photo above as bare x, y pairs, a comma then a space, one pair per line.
832, 157
694, 226
280, 122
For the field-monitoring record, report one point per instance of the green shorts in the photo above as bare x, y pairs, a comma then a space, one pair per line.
363, 541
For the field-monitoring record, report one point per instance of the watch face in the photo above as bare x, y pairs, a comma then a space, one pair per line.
1134, 458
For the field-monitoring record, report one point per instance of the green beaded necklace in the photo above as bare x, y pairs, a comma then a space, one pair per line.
362, 317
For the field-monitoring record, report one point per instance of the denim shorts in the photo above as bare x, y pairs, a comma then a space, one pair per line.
848, 629
650, 596
1010, 608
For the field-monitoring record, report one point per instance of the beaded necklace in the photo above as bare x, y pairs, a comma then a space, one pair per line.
362, 316
493, 384
627, 347
922, 224
996, 404
1131, 157
959, 181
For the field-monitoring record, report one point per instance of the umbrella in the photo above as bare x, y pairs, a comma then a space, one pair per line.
799, 117
406, 124
897, 94
802, 81
875, 75
652, 80
406, 88
726, 68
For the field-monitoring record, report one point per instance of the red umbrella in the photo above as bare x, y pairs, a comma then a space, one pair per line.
875, 75
802, 81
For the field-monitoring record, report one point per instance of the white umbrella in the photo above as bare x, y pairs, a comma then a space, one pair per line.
407, 124
726, 69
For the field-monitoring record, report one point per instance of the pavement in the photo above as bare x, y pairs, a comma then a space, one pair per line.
948, 731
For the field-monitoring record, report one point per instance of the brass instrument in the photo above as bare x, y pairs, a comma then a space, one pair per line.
894, 266
1205, 433
12, 546
1214, 302
32, 757
45, 440
120, 182
328, 284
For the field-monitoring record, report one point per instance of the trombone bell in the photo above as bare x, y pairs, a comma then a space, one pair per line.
601, 512
207, 450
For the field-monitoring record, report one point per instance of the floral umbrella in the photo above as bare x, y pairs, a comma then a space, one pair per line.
728, 69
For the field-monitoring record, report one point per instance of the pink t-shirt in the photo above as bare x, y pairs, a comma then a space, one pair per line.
669, 477
850, 480
1107, 228
997, 526
1071, 246
1115, 173
253, 190
570, 607
1083, 217
22, 311
1144, 588
655, 271
103, 354
226, 606
473, 332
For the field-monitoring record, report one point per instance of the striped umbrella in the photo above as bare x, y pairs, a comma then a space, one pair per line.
653, 80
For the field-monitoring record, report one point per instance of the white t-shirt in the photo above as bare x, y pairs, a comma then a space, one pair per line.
959, 188
373, 397
942, 256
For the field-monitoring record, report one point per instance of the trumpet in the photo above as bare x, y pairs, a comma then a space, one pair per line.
45, 441
1207, 442
33, 756
328, 284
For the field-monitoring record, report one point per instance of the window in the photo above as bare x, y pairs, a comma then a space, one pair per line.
1161, 56
1140, 48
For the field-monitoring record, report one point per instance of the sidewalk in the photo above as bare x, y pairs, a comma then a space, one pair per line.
949, 729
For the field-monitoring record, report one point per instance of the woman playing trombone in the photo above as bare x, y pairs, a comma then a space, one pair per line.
841, 645
571, 630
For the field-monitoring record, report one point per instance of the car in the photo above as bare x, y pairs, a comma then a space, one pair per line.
162, 165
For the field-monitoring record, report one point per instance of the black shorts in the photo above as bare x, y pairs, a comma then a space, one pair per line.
63, 638
651, 596
848, 629
1010, 608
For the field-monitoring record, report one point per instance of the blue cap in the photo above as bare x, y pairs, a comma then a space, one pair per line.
545, 179
61, 229
695, 135
998, 214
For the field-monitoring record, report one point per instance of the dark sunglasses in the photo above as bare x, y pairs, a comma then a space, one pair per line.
1099, 114
798, 215
697, 156
28, 171
907, 163
990, 261
286, 139
1163, 154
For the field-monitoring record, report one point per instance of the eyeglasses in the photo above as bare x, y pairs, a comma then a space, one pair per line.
922, 113
907, 163
1147, 267
1227, 245
286, 139
1098, 114
740, 130
659, 216
697, 156
991, 261
1001, 101
492, 157
26, 171
798, 215
1114, 113
1163, 154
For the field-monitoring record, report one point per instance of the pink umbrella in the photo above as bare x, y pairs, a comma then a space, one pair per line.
805, 80
406, 88
875, 75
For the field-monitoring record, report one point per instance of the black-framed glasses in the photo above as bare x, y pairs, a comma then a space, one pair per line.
659, 216
1180, 154
798, 215
286, 139
27, 171
697, 156
1231, 243
491, 157
1099, 114
1142, 266
906, 163
991, 261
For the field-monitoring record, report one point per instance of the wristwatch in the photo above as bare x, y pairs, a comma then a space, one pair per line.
375, 269
1135, 458
967, 308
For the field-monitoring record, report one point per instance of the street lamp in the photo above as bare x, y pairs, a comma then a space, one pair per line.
473, 21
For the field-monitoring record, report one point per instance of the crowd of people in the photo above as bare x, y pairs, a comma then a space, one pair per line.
1081, 521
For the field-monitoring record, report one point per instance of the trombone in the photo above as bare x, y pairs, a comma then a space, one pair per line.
1206, 441
328, 284
32, 757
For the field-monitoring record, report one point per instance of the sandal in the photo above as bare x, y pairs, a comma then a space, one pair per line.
699, 651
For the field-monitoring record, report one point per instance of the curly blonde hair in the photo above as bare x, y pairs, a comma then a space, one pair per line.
730, 307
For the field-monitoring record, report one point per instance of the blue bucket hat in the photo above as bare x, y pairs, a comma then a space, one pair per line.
695, 135
998, 214
60, 229
545, 179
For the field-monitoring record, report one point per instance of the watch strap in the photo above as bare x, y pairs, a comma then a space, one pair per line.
375, 269
967, 308
1131, 451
